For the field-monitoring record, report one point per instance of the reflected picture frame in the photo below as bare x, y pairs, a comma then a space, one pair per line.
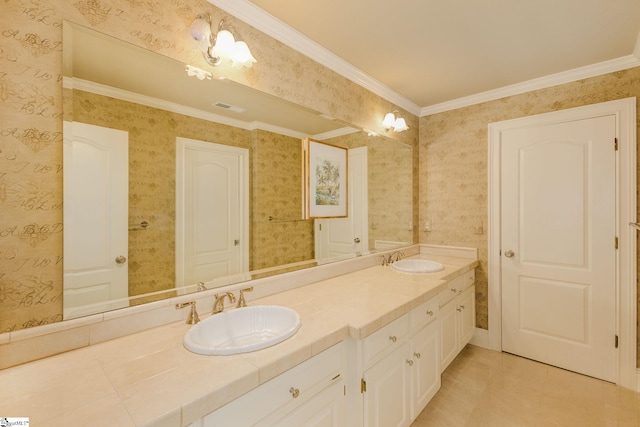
325, 184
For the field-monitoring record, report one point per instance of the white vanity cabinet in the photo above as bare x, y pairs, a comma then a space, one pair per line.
401, 368
310, 394
457, 317
425, 378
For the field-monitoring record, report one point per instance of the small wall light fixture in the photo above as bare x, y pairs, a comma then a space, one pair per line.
222, 45
198, 72
397, 123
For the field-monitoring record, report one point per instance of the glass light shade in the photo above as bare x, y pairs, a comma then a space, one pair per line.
389, 121
400, 125
225, 45
201, 33
242, 56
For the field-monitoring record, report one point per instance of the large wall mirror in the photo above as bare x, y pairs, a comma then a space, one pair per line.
174, 177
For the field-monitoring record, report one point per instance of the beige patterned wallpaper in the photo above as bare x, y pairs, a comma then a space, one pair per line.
453, 161
31, 121
390, 179
277, 193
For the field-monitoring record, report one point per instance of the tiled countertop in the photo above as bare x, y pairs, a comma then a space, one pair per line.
149, 378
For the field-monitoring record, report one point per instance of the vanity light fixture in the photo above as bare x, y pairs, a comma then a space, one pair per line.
222, 45
390, 121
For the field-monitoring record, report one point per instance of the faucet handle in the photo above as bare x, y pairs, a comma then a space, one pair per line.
193, 314
241, 301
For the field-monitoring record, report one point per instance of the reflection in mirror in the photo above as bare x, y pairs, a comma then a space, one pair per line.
208, 178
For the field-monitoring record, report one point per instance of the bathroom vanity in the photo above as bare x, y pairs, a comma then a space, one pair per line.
390, 375
371, 340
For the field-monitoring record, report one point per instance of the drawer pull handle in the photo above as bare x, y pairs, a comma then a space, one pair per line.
393, 338
430, 312
417, 355
462, 306
459, 309
294, 392
454, 290
410, 362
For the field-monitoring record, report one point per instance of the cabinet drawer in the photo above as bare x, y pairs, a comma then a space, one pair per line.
469, 279
293, 387
454, 287
424, 314
388, 337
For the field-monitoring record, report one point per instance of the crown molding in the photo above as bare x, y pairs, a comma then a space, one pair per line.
335, 133
273, 27
593, 70
124, 95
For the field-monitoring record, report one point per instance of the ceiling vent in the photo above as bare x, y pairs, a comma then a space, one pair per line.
233, 108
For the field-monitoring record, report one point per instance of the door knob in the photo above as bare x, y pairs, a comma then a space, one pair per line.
509, 253
121, 259
357, 240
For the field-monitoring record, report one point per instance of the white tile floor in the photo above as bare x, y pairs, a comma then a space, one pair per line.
488, 388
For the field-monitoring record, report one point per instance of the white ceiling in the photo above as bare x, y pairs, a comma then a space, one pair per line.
426, 55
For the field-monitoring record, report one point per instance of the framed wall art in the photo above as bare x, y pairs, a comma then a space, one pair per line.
325, 189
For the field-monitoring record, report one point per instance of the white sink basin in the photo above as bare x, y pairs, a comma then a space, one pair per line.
242, 330
417, 266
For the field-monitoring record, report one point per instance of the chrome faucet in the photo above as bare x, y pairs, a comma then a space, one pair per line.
218, 305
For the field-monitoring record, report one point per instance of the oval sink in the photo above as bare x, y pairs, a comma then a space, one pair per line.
242, 330
417, 266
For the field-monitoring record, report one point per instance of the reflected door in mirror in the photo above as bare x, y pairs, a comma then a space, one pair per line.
212, 216
337, 237
96, 219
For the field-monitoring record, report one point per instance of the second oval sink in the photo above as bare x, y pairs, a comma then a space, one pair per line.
242, 330
417, 266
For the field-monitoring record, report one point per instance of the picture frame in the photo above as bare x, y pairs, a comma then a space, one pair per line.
325, 182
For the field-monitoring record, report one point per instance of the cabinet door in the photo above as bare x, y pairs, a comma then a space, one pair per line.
327, 409
425, 353
448, 333
386, 399
467, 314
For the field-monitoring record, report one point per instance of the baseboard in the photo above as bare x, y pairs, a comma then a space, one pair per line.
481, 338
638, 380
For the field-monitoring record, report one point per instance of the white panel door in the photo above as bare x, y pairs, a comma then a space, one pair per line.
212, 212
558, 244
96, 188
336, 237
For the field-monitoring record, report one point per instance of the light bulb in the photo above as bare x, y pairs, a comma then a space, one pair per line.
389, 121
225, 45
400, 125
201, 33
242, 56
